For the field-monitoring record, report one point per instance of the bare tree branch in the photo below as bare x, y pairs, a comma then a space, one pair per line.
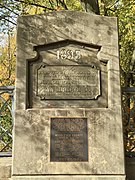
57, 1
113, 4
62, 2
6, 18
3, 17
34, 4
51, 3
3, 6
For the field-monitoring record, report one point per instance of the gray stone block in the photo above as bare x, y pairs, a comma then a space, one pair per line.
94, 177
5, 167
68, 67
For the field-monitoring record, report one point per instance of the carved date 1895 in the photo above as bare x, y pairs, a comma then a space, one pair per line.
68, 54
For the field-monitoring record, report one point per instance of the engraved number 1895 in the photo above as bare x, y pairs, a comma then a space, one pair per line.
68, 54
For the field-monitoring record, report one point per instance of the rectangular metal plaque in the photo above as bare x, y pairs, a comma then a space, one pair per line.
69, 140
68, 82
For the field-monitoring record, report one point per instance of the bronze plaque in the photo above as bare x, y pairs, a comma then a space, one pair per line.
69, 140
68, 82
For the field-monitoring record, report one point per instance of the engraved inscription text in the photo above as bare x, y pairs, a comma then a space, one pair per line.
68, 82
69, 141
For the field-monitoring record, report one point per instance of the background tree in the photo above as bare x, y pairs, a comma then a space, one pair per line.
125, 11
90, 6
7, 61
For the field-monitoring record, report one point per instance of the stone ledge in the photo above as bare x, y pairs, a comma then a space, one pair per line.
85, 177
5, 168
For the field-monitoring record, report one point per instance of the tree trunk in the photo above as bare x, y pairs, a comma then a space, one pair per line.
90, 6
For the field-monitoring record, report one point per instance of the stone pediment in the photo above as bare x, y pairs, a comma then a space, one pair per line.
65, 70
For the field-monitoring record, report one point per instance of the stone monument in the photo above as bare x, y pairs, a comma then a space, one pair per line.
68, 122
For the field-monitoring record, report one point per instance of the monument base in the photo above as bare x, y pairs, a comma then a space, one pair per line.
88, 177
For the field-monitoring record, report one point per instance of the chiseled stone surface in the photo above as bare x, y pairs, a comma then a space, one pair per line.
40, 36
5, 167
38, 40
32, 141
70, 177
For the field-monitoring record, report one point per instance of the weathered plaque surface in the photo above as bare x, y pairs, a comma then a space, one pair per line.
68, 82
69, 140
